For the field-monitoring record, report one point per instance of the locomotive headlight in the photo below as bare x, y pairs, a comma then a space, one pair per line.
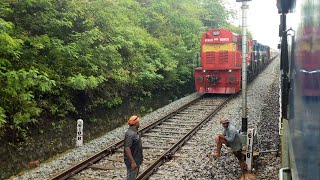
204, 71
215, 33
230, 71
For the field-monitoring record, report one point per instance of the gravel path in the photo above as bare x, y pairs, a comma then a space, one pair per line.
192, 161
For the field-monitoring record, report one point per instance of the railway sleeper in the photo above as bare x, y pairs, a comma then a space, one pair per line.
183, 121
180, 124
161, 136
164, 131
154, 147
104, 168
159, 141
175, 128
116, 159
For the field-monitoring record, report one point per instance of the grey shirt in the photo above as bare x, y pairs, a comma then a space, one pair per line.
132, 140
233, 138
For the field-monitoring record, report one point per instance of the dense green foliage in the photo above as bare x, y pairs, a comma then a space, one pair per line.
62, 58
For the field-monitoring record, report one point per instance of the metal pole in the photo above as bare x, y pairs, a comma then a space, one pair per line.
244, 126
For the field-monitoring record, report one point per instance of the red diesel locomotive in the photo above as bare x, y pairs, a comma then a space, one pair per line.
221, 60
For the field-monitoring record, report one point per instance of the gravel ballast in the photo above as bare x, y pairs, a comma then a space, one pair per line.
193, 161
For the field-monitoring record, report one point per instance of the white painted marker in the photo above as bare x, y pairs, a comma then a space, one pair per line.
79, 132
249, 149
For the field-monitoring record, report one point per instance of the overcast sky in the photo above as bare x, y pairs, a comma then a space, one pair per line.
263, 20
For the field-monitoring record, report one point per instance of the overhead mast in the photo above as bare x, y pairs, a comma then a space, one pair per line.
244, 7
249, 135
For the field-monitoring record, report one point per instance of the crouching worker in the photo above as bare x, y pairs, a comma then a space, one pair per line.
230, 138
133, 148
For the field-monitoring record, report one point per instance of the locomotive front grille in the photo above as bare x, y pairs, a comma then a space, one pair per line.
223, 57
210, 57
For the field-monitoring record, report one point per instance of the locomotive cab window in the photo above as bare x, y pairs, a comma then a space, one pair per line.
234, 39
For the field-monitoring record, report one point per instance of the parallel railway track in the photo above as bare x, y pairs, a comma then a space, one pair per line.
160, 140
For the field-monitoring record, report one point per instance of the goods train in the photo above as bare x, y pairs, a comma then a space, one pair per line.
299, 122
221, 62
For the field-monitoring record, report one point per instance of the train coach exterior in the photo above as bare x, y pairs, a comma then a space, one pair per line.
307, 61
221, 60
299, 123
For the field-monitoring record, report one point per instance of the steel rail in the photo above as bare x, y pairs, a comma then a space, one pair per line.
112, 148
166, 156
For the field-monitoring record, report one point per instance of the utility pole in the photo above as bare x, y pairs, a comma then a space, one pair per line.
247, 134
244, 7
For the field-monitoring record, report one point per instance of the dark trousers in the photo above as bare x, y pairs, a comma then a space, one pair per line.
132, 175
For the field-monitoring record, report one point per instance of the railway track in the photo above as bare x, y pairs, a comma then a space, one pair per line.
160, 141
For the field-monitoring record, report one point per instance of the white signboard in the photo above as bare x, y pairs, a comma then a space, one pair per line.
79, 132
249, 154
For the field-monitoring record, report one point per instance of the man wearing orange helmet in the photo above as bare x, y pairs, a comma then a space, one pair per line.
133, 148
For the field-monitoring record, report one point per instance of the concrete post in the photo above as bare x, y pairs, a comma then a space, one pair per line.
79, 132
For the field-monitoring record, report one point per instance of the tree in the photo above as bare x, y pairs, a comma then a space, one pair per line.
60, 58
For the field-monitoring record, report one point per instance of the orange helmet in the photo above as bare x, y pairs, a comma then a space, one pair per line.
133, 120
